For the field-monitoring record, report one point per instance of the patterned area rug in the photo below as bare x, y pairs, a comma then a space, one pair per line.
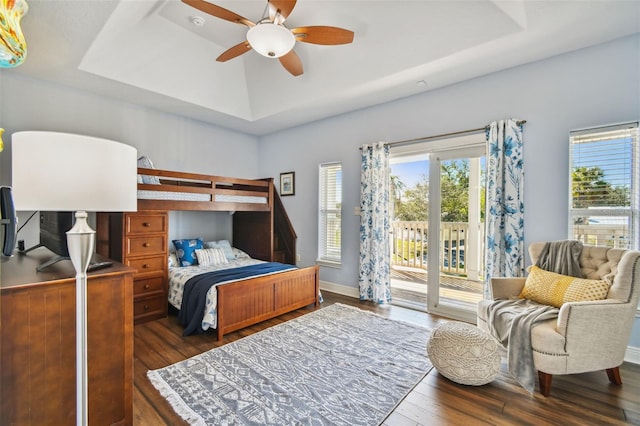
335, 366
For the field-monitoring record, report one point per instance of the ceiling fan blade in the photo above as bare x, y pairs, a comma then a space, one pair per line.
235, 51
281, 7
323, 35
292, 63
219, 12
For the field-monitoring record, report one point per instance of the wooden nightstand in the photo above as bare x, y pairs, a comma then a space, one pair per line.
139, 240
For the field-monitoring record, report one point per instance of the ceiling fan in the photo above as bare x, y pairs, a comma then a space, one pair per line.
270, 37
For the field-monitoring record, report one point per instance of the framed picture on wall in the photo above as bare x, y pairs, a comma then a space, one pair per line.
288, 183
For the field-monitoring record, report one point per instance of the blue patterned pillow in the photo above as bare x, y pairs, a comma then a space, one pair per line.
186, 251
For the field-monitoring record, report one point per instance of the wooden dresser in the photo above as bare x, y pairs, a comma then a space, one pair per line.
139, 240
37, 347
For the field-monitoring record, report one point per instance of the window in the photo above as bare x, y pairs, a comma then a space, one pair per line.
603, 207
330, 204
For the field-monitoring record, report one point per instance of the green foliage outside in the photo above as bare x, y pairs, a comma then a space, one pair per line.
454, 184
590, 189
414, 205
454, 190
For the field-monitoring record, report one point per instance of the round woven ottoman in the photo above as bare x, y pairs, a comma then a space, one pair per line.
463, 353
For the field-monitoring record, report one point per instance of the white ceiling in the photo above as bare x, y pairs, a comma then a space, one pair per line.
148, 52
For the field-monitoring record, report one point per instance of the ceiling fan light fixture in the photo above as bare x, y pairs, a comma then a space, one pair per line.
271, 40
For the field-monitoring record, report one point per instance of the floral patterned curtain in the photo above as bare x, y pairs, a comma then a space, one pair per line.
504, 255
374, 274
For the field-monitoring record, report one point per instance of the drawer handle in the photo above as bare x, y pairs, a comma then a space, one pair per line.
146, 307
146, 265
146, 286
146, 245
146, 224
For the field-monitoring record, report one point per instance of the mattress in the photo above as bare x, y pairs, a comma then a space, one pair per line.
190, 196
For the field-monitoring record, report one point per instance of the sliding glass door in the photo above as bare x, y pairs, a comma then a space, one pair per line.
438, 227
457, 218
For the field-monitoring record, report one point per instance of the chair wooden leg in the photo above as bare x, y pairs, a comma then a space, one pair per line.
545, 383
614, 375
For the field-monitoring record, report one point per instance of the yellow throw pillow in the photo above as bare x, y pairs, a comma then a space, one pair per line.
554, 289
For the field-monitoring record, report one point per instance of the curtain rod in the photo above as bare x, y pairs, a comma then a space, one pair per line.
444, 135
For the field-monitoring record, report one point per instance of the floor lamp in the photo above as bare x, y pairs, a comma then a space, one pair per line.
66, 172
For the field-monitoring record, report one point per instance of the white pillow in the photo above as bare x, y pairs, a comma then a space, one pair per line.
225, 245
173, 260
240, 254
146, 163
211, 256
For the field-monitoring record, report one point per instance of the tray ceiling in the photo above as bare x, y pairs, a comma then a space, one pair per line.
150, 52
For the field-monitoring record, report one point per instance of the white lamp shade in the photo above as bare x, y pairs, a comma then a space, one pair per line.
271, 40
68, 172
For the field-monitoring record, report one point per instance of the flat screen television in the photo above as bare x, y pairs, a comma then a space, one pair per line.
53, 231
53, 235
8, 221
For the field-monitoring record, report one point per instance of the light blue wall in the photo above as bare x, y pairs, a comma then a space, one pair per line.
591, 87
172, 142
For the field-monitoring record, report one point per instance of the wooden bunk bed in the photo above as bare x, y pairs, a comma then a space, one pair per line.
261, 228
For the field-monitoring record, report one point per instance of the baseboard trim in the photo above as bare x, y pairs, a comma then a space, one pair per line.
632, 354
340, 289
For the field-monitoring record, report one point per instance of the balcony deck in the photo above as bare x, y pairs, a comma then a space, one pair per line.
410, 285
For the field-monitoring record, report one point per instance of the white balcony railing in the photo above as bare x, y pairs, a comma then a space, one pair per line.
409, 244
606, 235
410, 248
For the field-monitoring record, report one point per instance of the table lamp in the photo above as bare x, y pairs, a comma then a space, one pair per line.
67, 172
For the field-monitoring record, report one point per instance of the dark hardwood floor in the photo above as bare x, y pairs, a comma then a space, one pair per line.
581, 399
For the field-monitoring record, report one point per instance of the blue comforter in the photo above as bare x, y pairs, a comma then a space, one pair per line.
195, 291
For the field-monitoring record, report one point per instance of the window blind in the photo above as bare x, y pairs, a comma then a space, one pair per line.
604, 186
330, 207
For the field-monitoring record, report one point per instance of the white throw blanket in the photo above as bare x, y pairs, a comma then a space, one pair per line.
510, 322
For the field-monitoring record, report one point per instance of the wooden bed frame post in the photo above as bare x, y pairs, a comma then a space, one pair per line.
220, 325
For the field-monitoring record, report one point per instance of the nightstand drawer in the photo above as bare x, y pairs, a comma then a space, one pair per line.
149, 306
139, 240
148, 265
136, 246
148, 285
146, 224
